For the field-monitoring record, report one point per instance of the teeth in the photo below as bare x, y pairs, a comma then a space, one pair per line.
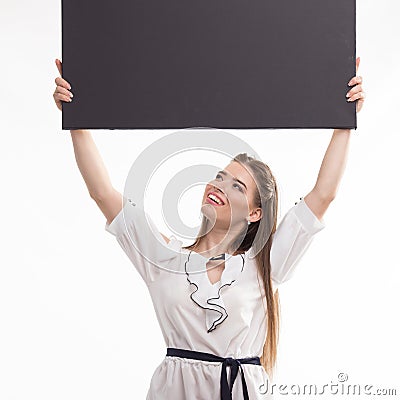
215, 198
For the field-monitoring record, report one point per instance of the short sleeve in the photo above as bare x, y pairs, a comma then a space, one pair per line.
141, 241
291, 239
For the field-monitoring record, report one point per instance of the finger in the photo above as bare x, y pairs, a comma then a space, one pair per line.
62, 97
59, 66
62, 90
354, 80
359, 95
62, 82
354, 90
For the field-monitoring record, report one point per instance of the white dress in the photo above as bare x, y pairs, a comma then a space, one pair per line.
226, 318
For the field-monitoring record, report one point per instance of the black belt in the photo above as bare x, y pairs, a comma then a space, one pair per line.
235, 363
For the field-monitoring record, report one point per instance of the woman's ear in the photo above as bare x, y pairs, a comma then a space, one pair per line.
255, 215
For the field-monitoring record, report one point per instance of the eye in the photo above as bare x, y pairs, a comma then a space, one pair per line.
240, 188
235, 184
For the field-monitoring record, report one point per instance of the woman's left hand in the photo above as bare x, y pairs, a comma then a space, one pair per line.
356, 92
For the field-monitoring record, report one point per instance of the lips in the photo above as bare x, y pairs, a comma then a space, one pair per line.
218, 196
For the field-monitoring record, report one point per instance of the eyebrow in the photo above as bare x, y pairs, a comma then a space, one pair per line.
235, 179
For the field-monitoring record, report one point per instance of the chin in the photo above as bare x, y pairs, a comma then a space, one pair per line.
208, 211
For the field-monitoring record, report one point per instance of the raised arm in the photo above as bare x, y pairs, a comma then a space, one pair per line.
89, 161
330, 173
335, 159
88, 158
95, 175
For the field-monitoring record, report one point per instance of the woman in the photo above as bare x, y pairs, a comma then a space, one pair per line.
228, 314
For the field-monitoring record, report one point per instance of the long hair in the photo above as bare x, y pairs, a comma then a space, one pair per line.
266, 197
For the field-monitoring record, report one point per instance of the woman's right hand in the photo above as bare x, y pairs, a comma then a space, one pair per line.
62, 92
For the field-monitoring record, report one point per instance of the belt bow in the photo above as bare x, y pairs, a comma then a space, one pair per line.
234, 363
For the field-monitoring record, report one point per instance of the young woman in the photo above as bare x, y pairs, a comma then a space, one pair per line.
221, 308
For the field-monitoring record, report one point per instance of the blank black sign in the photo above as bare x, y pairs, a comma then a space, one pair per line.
208, 63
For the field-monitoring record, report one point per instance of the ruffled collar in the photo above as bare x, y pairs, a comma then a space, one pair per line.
207, 295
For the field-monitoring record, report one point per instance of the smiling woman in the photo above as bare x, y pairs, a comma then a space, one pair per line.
204, 321
246, 218
228, 317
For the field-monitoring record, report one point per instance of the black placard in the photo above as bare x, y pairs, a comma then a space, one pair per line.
154, 64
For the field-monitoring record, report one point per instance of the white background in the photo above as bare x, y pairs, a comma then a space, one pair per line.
76, 321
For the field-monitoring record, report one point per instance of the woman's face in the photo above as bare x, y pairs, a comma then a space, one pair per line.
235, 188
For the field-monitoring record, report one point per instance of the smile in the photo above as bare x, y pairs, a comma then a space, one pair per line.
212, 198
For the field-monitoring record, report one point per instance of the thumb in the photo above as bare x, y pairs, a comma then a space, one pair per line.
357, 63
59, 66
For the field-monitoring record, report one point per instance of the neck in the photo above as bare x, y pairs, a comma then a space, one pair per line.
217, 241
